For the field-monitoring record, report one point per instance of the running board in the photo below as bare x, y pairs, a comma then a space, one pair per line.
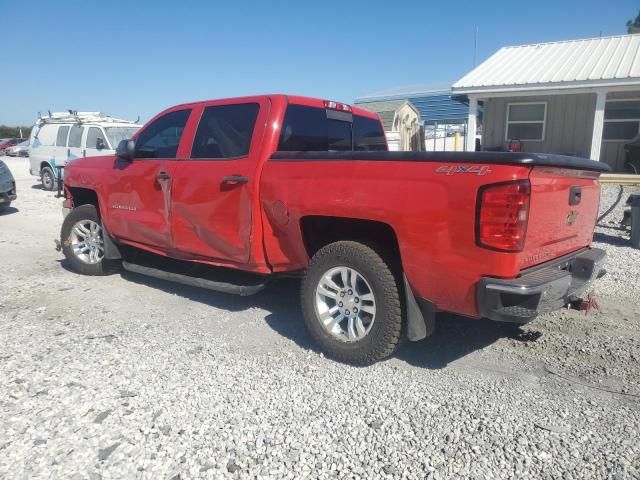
242, 290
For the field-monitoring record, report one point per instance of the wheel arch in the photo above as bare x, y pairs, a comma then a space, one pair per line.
84, 196
44, 164
319, 230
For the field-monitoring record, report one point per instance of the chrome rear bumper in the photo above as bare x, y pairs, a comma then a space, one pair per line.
540, 289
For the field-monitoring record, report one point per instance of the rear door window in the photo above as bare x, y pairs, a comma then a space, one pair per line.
316, 129
161, 138
61, 139
225, 131
75, 136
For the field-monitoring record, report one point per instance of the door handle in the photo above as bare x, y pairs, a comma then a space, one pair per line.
163, 176
235, 180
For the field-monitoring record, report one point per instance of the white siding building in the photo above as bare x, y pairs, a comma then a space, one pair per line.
577, 97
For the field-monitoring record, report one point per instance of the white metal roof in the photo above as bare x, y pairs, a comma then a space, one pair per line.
591, 62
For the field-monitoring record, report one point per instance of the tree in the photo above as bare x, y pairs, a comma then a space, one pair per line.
634, 26
13, 132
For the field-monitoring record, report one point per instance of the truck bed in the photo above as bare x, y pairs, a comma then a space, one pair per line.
429, 200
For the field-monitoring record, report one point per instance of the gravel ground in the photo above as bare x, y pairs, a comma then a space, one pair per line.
129, 377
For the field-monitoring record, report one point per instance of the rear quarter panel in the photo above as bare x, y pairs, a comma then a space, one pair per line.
432, 214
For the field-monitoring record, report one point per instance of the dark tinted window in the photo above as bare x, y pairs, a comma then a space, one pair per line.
225, 131
75, 136
61, 140
161, 138
309, 129
368, 134
338, 135
304, 128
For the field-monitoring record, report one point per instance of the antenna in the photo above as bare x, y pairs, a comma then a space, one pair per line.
475, 48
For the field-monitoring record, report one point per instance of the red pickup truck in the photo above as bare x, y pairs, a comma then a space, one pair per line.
264, 186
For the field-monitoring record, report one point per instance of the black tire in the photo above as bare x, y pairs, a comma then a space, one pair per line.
48, 179
385, 333
78, 214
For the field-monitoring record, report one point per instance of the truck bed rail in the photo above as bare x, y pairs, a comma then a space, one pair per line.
496, 158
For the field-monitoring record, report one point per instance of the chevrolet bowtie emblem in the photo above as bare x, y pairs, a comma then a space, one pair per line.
572, 216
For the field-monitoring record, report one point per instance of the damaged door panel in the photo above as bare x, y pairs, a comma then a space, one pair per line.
213, 190
139, 189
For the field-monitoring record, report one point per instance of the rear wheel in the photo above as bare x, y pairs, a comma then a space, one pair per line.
48, 178
351, 303
82, 239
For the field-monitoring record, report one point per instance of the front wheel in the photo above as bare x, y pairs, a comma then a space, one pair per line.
82, 239
351, 303
48, 178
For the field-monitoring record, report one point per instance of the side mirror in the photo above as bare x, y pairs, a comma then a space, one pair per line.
126, 149
100, 144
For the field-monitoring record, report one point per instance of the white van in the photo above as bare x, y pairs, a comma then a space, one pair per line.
61, 137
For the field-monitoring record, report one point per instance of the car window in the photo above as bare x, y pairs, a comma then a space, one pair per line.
225, 131
304, 129
75, 136
117, 134
93, 135
61, 139
339, 135
316, 129
161, 138
368, 134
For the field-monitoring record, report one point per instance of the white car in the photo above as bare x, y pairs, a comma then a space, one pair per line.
20, 150
62, 137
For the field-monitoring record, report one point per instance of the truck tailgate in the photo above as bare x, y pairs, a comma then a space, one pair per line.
563, 212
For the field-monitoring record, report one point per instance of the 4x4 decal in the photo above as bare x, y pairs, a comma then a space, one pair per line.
453, 169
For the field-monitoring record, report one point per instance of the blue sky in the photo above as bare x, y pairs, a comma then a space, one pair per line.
138, 57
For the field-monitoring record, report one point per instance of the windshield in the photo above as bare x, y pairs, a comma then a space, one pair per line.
117, 134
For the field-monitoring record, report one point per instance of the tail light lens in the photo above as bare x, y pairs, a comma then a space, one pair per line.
502, 215
343, 107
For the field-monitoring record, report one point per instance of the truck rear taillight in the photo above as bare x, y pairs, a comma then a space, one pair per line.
502, 214
336, 106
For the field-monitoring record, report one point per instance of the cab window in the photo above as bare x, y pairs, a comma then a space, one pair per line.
316, 129
161, 138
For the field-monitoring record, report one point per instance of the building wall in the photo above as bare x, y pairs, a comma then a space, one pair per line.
568, 129
612, 151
